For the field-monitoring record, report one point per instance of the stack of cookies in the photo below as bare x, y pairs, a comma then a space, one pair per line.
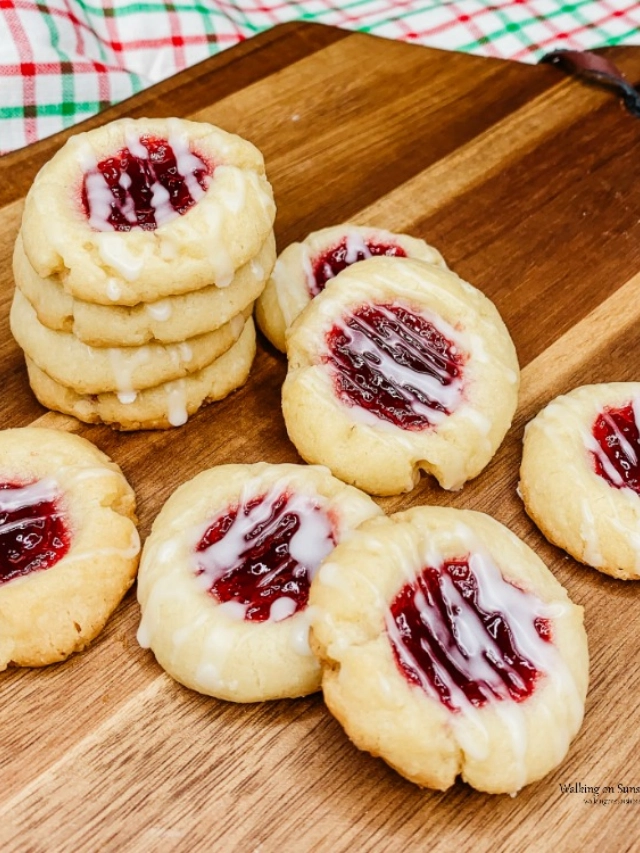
143, 247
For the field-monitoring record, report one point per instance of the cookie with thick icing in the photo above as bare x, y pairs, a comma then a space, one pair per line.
121, 370
398, 367
226, 571
450, 650
580, 475
165, 321
141, 209
303, 269
69, 546
163, 406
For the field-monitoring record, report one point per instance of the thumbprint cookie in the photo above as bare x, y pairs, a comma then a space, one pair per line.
137, 210
69, 546
580, 475
226, 571
399, 366
449, 650
303, 269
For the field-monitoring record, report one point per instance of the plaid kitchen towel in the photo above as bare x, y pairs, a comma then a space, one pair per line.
64, 60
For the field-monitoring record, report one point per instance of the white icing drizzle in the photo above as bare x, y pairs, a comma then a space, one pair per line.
132, 141
99, 195
589, 535
448, 396
128, 552
116, 255
225, 281
625, 446
123, 364
160, 201
143, 636
308, 546
127, 397
24, 496
176, 392
160, 310
257, 270
282, 608
186, 161
307, 270
219, 256
234, 198
99, 198
185, 351
260, 187
355, 244
480, 421
114, 291
299, 633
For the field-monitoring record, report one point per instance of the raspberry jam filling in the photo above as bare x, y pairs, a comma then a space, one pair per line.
616, 457
144, 185
33, 532
459, 631
350, 250
260, 556
396, 365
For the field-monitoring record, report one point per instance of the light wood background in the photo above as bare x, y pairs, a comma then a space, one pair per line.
529, 184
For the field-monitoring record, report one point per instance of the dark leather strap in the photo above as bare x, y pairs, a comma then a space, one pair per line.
596, 69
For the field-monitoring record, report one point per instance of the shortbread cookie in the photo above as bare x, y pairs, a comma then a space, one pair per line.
399, 366
69, 546
169, 320
138, 210
160, 407
225, 576
303, 269
448, 648
580, 475
123, 370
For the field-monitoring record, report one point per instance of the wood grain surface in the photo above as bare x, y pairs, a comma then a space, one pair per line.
529, 184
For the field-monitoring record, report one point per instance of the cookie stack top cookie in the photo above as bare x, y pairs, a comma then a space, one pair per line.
142, 209
143, 246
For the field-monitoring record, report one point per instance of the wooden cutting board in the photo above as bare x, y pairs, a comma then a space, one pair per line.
529, 184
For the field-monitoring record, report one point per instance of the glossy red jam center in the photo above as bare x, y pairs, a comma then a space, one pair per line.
33, 532
395, 364
617, 459
347, 252
143, 191
445, 641
263, 553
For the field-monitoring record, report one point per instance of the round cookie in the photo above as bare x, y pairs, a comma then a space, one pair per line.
399, 366
225, 574
448, 648
69, 546
580, 475
303, 269
123, 370
169, 320
161, 407
119, 209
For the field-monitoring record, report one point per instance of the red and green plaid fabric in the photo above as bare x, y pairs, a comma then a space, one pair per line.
64, 60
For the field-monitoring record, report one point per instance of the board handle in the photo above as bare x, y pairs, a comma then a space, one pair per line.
596, 69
